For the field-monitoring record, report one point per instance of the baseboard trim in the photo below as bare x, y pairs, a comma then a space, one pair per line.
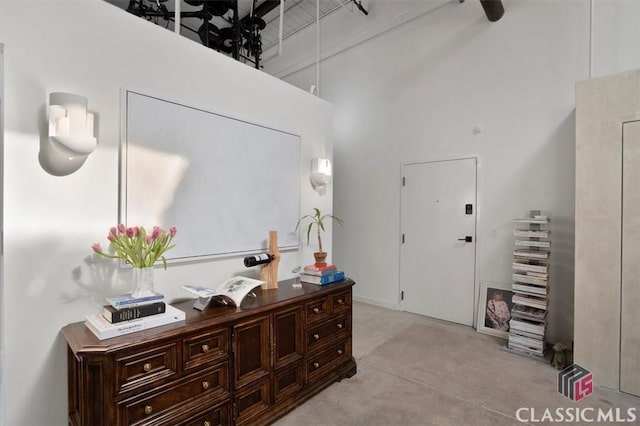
376, 302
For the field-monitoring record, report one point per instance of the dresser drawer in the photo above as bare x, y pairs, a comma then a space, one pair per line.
135, 369
325, 361
216, 417
288, 381
252, 401
341, 302
205, 348
208, 384
323, 334
317, 310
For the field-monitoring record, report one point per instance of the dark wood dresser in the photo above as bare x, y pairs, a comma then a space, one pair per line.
223, 366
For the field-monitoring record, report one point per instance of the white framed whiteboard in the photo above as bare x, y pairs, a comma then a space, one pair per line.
223, 182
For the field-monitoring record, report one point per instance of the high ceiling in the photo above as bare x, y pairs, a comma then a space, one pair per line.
244, 29
255, 29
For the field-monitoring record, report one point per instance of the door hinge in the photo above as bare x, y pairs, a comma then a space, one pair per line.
404, 181
402, 295
402, 238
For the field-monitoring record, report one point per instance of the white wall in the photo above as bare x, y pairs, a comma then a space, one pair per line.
1, 226
93, 49
616, 36
416, 92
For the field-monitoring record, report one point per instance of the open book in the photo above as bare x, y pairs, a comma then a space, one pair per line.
231, 292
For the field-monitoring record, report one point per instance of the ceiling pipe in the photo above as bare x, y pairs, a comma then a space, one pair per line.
280, 27
266, 7
493, 8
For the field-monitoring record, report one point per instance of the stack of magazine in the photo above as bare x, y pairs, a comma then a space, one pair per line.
530, 285
126, 314
321, 275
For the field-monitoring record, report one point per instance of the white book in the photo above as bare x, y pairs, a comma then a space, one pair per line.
536, 344
532, 301
523, 266
531, 254
530, 289
529, 243
522, 278
103, 329
526, 325
230, 292
527, 312
525, 334
531, 234
525, 349
537, 219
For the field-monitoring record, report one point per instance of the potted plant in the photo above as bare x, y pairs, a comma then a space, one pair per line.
318, 220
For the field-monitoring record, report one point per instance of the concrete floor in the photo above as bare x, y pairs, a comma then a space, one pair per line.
414, 370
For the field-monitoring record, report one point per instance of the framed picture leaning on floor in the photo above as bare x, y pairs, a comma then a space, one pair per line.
494, 309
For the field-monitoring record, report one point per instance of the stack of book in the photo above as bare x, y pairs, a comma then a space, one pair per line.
321, 275
126, 314
530, 286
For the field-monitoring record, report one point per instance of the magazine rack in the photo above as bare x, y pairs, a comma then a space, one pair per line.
530, 285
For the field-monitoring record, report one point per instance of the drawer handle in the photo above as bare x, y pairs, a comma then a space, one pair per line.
316, 365
148, 409
316, 310
205, 385
147, 367
339, 325
339, 351
206, 423
205, 348
340, 301
316, 336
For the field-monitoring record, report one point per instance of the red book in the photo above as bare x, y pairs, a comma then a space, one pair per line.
320, 270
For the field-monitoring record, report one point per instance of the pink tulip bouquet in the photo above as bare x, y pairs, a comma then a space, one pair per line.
136, 246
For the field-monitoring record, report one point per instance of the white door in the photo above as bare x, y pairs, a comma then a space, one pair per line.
438, 226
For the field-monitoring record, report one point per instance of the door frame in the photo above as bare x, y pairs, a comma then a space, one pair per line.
476, 275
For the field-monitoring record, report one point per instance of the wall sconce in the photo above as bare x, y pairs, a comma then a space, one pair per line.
320, 175
71, 129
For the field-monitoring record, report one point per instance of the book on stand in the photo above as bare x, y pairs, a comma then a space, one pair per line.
128, 301
527, 312
103, 329
529, 289
114, 315
530, 326
531, 254
530, 266
530, 279
324, 279
530, 300
230, 292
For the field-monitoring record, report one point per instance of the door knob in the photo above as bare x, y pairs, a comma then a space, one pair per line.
467, 239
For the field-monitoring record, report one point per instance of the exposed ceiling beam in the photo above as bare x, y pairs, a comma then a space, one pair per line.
266, 7
493, 8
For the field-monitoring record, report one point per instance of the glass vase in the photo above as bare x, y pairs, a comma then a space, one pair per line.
142, 282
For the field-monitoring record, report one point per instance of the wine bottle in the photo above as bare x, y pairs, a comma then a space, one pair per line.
258, 259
